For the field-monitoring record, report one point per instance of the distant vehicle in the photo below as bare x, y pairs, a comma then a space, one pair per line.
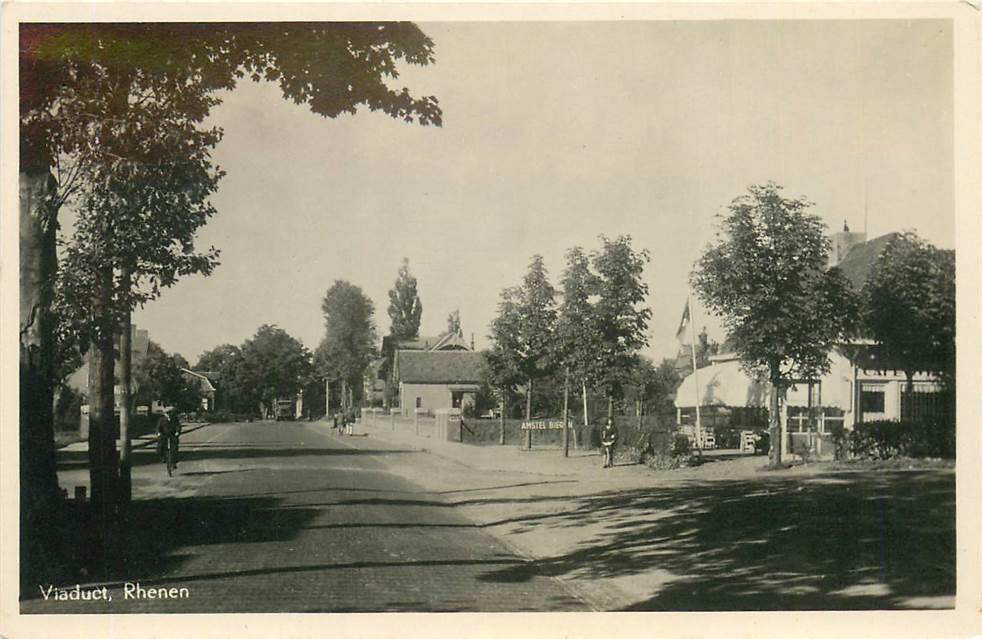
284, 410
493, 413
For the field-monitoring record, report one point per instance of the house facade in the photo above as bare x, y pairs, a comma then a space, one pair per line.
431, 380
859, 387
384, 371
862, 385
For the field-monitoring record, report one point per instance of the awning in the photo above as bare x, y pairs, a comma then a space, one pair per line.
725, 383
722, 384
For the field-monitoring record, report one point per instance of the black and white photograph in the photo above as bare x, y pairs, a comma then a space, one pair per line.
398, 313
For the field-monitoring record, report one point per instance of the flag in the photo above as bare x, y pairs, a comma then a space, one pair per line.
684, 324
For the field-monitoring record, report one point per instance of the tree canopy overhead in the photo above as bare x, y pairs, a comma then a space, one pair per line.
333, 67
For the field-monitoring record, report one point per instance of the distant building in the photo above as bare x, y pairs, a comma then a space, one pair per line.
79, 380
384, 371
139, 347
429, 380
205, 382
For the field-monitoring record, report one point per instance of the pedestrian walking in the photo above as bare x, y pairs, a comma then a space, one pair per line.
608, 441
335, 422
350, 419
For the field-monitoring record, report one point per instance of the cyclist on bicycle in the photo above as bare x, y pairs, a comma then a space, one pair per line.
168, 434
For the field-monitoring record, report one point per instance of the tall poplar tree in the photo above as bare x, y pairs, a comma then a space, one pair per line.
405, 309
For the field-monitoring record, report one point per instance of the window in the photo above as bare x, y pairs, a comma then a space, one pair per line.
419, 402
798, 421
833, 417
872, 401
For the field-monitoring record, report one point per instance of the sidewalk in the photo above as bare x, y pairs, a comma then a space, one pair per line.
581, 464
495, 458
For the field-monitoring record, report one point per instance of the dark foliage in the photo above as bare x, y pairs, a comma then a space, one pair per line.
886, 439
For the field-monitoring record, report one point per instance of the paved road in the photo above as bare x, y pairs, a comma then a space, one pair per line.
287, 517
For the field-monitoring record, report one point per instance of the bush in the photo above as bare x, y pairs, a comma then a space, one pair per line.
887, 439
67, 410
840, 442
668, 462
681, 446
763, 444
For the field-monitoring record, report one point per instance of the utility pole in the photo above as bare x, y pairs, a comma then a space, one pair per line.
501, 420
695, 378
566, 413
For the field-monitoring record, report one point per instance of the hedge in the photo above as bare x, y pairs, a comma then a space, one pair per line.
886, 439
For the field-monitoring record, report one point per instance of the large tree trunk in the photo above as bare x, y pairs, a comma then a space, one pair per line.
38, 264
102, 436
103, 461
775, 416
39, 490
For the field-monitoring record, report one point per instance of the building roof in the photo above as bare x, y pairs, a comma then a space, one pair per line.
859, 260
439, 367
205, 383
443, 341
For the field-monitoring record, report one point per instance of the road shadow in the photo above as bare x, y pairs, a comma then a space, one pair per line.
848, 541
155, 539
73, 460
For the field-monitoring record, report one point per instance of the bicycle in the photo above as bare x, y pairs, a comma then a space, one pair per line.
170, 457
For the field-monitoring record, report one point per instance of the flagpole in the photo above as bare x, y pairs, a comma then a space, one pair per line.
695, 370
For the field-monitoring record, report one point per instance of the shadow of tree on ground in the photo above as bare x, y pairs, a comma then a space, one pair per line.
830, 541
158, 530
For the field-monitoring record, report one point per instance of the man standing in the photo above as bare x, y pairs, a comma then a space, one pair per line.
608, 440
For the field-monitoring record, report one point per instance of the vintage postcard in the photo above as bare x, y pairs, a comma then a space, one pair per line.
348, 319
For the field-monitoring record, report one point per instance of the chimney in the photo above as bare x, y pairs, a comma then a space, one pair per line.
842, 242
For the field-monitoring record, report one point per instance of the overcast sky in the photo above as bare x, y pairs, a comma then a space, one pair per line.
553, 134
